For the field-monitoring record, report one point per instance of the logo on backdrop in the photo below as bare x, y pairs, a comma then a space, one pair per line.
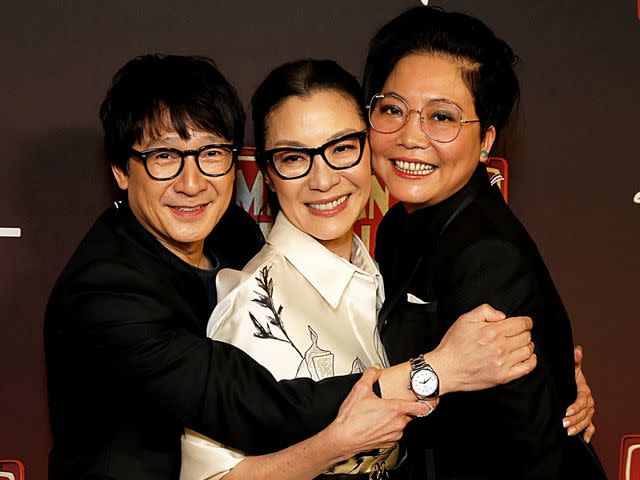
636, 197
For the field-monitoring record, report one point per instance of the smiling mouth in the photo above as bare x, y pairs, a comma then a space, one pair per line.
189, 210
328, 205
413, 168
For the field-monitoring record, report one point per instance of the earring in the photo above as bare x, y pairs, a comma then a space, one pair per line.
484, 154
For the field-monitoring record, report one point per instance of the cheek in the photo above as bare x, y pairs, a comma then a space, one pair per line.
224, 185
362, 179
287, 192
147, 194
379, 142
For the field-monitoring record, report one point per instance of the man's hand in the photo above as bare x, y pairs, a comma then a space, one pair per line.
580, 413
482, 349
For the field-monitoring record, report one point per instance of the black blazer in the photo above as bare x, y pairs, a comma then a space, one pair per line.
468, 250
129, 364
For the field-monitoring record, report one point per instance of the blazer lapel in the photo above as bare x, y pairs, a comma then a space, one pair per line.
391, 300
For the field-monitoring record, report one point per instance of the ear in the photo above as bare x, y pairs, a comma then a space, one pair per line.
122, 179
487, 142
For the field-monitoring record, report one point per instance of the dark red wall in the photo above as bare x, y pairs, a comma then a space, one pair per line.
574, 156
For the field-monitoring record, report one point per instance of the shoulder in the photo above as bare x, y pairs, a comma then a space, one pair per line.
119, 262
487, 230
230, 281
485, 255
237, 288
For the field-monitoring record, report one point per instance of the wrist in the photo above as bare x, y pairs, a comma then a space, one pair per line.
441, 365
336, 446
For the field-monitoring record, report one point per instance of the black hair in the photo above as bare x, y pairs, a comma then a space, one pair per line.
191, 90
487, 62
300, 78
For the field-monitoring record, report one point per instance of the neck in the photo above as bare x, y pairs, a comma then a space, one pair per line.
193, 254
340, 246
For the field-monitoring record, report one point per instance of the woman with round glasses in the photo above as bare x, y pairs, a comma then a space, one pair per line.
306, 304
441, 87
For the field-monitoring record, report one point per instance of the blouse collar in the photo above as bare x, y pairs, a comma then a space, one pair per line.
327, 272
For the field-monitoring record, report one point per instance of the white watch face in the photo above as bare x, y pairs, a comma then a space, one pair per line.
424, 383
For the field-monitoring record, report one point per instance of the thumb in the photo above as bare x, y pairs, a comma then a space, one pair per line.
370, 376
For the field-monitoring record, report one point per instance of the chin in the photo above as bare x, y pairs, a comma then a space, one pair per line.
327, 235
413, 196
190, 234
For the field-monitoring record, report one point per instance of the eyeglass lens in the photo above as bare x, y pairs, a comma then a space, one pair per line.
441, 121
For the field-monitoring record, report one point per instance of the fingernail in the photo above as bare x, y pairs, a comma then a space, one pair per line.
565, 424
569, 412
572, 432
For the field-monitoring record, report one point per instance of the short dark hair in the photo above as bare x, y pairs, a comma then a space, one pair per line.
190, 89
300, 78
487, 62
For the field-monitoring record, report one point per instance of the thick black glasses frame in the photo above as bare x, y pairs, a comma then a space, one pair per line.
144, 155
312, 152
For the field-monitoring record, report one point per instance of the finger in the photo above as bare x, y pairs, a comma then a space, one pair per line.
369, 377
484, 313
588, 433
580, 415
513, 326
520, 355
591, 403
581, 403
518, 341
577, 356
580, 424
520, 369
418, 409
361, 389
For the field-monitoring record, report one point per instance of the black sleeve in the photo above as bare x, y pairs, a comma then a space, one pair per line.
525, 414
135, 342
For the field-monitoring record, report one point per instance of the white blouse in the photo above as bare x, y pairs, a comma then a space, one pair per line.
301, 311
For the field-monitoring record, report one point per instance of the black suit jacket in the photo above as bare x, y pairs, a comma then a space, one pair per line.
468, 250
129, 365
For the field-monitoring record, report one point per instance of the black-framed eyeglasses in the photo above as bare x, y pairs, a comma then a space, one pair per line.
440, 120
290, 163
166, 163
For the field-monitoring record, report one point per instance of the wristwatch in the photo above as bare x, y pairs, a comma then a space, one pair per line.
423, 380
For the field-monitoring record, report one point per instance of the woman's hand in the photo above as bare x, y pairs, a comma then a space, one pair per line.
580, 413
366, 422
482, 349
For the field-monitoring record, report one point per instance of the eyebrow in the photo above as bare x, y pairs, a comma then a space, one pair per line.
431, 100
171, 139
297, 144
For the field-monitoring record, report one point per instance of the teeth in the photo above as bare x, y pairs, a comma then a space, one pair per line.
187, 209
328, 205
414, 168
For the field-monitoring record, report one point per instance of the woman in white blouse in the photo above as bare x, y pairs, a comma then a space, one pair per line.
306, 304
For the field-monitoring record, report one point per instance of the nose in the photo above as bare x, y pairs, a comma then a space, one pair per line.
322, 177
412, 135
190, 181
